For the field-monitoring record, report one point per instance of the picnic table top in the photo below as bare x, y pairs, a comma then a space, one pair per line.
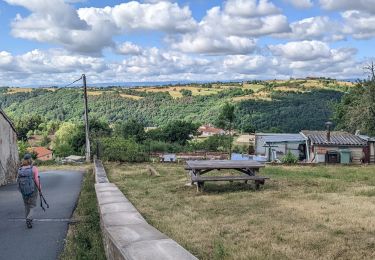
222, 164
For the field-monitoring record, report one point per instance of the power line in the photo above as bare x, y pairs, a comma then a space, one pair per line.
72, 82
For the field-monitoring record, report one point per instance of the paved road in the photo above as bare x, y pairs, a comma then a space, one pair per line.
45, 240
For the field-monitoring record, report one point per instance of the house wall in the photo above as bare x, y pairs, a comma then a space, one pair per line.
320, 152
8, 152
372, 152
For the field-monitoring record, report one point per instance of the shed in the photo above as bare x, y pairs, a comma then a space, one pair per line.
370, 152
8, 150
325, 146
275, 146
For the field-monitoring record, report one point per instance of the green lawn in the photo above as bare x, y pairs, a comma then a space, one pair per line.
323, 212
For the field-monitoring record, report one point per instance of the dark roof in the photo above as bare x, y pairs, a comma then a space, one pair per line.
337, 138
8, 120
280, 138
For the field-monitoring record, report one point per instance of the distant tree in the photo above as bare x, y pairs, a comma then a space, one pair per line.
26, 125
248, 127
226, 120
130, 129
179, 132
186, 92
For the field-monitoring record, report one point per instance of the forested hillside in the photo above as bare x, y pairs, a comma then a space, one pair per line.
282, 106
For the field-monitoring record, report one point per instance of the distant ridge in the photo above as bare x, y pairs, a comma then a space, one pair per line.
154, 83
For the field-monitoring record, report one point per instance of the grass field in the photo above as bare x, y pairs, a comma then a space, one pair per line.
84, 240
323, 212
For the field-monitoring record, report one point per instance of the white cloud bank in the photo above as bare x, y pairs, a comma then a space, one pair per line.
224, 44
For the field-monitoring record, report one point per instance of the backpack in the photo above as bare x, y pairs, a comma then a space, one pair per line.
26, 181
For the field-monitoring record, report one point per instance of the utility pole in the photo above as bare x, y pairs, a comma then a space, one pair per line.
88, 153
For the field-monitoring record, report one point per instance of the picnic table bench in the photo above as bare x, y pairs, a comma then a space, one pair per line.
249, 170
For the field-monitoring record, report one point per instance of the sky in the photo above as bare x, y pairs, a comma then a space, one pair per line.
53, 42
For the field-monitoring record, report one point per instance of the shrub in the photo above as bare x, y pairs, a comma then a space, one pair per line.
289, 158
121, 149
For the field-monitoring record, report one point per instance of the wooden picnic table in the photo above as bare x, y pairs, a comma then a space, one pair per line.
249, 170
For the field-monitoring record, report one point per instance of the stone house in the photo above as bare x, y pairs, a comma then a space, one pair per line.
8, 150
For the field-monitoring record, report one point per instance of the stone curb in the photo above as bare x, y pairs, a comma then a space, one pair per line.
126, 234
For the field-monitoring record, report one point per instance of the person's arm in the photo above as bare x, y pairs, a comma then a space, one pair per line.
36, 177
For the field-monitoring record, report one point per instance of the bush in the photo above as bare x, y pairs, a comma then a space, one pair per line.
289, 158
121, 150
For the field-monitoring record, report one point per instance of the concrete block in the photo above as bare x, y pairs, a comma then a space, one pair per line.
164, 249
104, 185
106, 193
125, 235
102, 200
117, 207
122, 218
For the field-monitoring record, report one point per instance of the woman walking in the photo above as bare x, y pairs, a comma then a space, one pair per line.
28, 184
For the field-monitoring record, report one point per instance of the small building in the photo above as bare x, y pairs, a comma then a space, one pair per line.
168, 158
335, 147
209, 130
370, 151
43, 154
275, 146
8, 150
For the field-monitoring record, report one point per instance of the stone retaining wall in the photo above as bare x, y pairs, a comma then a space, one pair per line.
126, 234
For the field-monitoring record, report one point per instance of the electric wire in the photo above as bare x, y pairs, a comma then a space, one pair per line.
73, 82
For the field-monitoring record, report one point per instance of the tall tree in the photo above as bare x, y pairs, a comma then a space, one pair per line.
225, 121
356, 111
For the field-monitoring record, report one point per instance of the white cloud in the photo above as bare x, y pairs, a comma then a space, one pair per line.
214, 45
315, 28
301, 51
232, 30
250, 8
343, 5
303, 4
128, 48
89, 30
360, 25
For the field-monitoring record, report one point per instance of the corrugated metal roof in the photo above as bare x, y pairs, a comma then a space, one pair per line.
367, 138
281, 138
337, 138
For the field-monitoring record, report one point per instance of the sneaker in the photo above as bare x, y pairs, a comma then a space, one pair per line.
29, 223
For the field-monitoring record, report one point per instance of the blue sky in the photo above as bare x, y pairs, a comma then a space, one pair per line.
51, 42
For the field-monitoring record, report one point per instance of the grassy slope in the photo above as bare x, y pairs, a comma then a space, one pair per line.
84, 239
303, 212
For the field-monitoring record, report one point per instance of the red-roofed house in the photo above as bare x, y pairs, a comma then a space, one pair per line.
43, 154
209, 130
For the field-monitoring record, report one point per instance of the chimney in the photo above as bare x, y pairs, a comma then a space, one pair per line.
328, 125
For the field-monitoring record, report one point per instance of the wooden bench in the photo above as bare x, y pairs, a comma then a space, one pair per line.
248, 169
199, 180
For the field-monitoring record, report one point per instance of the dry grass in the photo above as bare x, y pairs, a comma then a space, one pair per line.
19, 90
131, 96
174, 91
260, 95
254, 87
301, 213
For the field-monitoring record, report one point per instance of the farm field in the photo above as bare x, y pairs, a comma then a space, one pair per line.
323, 212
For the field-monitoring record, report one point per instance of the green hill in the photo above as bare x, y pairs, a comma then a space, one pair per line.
287, 106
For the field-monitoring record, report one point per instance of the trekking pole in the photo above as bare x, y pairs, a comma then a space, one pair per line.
42, 199
41, 195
